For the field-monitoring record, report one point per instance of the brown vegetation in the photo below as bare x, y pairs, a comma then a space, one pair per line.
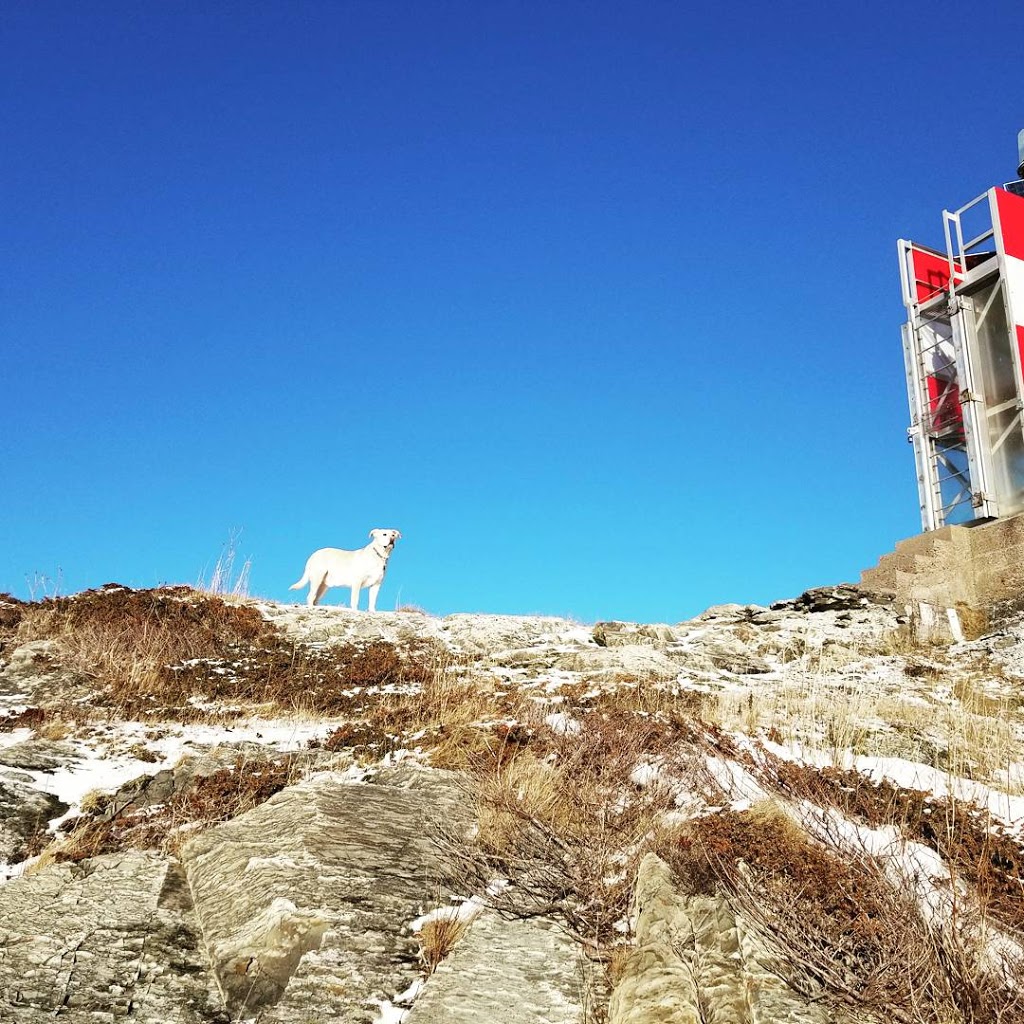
841, 930
174, 653
560, 814
207, 800
30, 718
438, 937
962, 834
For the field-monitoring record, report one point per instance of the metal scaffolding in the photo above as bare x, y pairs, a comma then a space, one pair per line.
963, 345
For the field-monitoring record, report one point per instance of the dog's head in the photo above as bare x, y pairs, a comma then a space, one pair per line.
384, 540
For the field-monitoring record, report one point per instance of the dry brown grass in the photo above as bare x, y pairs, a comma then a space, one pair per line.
976, 736
125, 639
438, 937
174, 653
561, 816
11, 612
55, 729
904, 641
560, 813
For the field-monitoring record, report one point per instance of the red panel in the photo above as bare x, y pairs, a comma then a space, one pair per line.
931, 273
1011, 221
947, 415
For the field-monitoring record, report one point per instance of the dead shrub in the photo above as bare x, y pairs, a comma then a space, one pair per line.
349, 735
838, 926
11, 612
963, 835
176, 653
564, 820
922, 670
340, 679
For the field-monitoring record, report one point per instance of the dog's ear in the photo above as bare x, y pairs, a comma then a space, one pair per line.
373, 534
398, 536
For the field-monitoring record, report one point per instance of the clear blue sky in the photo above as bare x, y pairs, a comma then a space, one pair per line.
596, 302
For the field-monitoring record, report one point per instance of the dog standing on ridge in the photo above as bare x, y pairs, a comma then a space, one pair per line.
333, 567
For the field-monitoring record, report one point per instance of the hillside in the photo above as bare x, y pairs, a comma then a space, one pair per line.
226, 809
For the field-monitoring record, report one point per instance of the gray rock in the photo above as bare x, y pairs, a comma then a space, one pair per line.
305, 901
109, 938
843, 597
528, 657
33, 674
38, 755
656, 986
728, 654
639, 662
694, 961
27, 662
628, 634
516, 972
24, 812
722, 613
141, 792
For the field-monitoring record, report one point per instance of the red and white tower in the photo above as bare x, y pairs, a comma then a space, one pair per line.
963, 343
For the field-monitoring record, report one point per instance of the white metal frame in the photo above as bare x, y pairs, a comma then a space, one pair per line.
945, 484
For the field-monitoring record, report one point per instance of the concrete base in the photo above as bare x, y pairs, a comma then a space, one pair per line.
976, 570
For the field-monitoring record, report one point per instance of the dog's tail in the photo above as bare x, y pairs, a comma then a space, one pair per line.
301, 583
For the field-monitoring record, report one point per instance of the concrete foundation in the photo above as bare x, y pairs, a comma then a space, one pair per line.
976, 570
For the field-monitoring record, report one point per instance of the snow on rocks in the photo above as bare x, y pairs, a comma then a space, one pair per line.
310, 903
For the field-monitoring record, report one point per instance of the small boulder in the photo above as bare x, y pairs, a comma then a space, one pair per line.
631, 634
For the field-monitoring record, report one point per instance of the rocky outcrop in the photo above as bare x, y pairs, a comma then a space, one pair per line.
32, 671
301, 909
298, 910
113, 937
305, 901
693, 962
516, 972
841, 598
38, 755
24, 814
629, 634
644, 661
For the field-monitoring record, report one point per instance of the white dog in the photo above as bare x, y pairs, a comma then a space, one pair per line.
333, 567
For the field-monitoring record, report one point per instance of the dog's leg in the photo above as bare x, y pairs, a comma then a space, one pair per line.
316, 591
373, 597
354, 603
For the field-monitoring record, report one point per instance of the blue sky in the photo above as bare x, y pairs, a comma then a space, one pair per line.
597, 303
